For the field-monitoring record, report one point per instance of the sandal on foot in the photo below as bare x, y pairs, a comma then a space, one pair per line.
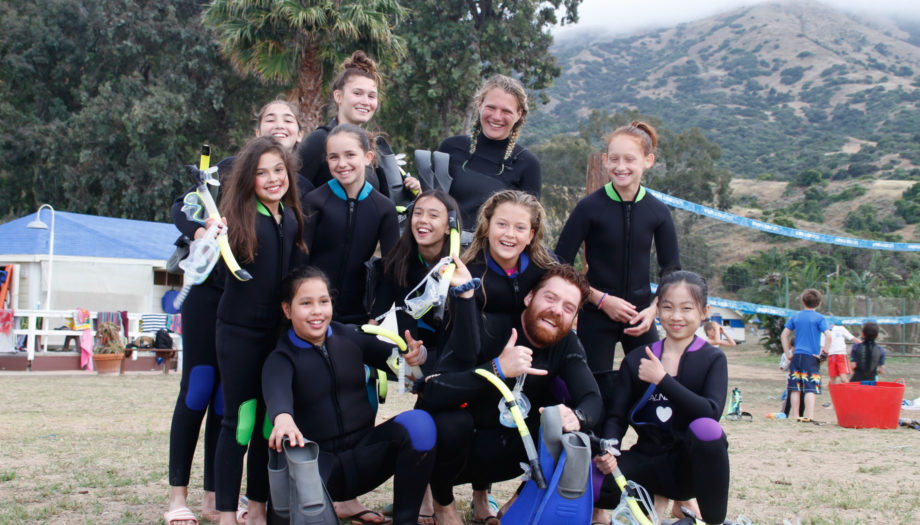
358, 519
491, 520
241, 514
427, 519
180, 514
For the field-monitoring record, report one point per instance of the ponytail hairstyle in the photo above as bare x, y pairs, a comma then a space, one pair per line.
538, 253
870, 334
644, 135
239, 202
512, 87
396, 263
358, 64
694, 283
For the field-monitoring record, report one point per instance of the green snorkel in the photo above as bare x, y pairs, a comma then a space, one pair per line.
536, 472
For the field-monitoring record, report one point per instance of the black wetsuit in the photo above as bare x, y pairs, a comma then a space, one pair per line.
501, 296
618, 240
313, 163
478, 176
200, 383
671, 458
248, 319
482, 450
323, 388
199, 388
341, 234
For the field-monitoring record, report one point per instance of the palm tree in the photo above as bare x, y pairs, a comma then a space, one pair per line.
298, 43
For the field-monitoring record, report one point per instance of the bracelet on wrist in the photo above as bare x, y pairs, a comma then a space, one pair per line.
472, 284
601, 302
497, 368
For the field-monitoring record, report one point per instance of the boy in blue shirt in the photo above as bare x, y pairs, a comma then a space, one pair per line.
804, 362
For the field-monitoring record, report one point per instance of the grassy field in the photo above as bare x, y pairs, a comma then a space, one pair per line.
91, 449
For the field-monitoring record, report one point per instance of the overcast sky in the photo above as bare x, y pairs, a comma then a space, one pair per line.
630, 15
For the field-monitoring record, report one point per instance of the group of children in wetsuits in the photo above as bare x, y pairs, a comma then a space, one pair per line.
277, 357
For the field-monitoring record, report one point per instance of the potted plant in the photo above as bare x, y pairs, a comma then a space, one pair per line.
109, 349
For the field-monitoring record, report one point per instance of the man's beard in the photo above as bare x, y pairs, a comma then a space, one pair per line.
541, 334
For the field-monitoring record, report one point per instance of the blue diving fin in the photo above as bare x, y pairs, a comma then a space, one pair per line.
569, 498
524, 508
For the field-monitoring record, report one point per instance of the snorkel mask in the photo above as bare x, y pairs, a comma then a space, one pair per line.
427, 294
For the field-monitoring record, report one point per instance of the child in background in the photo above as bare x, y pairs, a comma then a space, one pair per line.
867, 357
804, 372
838, 366
714, 333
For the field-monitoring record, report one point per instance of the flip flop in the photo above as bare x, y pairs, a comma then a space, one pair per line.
357, 519
491, 520
180, 514
427, 519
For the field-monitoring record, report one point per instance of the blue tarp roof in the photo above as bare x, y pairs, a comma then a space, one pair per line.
89, 236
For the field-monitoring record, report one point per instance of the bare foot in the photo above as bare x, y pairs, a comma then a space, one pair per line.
228, 517
481, 509
209, 507
257, 513
447, 514
600, 516
426, 511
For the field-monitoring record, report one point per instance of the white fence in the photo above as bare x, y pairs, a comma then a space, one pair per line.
56, 318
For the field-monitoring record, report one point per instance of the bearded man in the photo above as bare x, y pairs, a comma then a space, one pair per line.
473, 445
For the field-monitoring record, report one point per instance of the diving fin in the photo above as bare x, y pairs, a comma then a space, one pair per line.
525, 507
279, 482
569, 498
309, 501
577, 469
551, 425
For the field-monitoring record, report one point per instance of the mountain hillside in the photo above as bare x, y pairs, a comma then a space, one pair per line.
780, 87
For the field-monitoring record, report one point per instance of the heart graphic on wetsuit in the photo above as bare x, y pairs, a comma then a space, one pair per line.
663, 413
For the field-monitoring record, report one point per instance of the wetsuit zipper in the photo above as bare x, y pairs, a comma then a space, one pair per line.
280, 226
349, 233
627, 221
335, 390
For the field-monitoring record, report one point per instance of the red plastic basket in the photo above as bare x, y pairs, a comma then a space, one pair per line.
867, 406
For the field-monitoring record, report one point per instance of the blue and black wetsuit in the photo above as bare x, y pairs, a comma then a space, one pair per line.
248, 320
341, 234
618, 239
199, 388
486, 171
501, 296
323, 388
681, 452
482, 450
